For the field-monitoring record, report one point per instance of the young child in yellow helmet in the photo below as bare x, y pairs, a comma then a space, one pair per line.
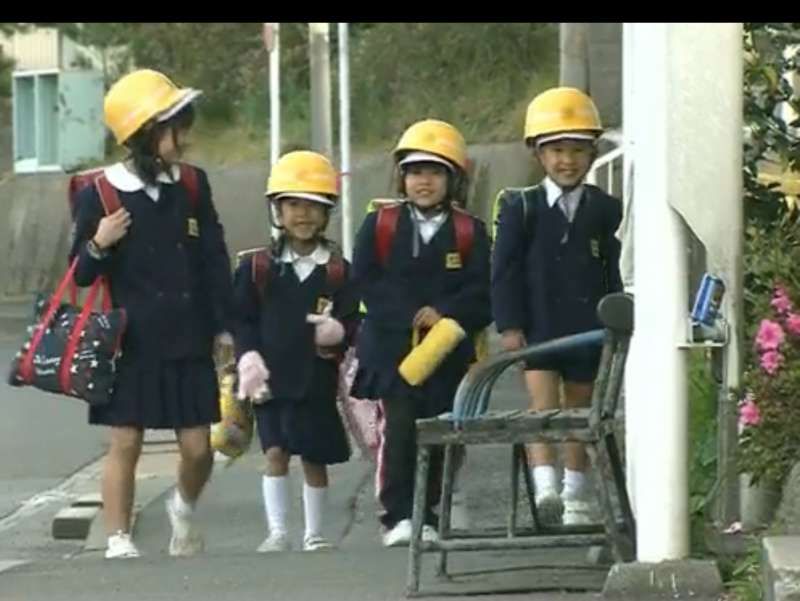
418, 263
164, 253
295, 315
555, 256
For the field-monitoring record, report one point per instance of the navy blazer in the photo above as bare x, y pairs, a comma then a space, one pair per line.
174, 281
276, 327
394, 294
549, 274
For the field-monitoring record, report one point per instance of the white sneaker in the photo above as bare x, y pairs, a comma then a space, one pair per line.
317, 543
120, 546
577, 512
549, 506
276, 542
399, 535
186, 540
429, 534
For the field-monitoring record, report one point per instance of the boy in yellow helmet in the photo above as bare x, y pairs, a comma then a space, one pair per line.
555, 257
417, 262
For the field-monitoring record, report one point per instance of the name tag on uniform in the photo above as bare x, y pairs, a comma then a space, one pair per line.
595, 245
452, 261
322, 304
194, 229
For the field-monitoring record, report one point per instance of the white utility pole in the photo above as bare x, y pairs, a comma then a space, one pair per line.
686, 133
320, 57
344, 140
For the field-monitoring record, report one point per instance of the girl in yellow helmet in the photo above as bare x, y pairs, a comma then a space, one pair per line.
296, 312
417, 263
164, 252
555, 257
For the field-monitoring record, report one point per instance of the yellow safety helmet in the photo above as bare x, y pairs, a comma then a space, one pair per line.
140, 96
434, 137
561, 111
305, 174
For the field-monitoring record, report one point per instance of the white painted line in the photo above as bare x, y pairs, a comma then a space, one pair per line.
61, 494
7, 564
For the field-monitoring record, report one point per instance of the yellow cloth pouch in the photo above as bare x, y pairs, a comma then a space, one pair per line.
424, 358
234, 432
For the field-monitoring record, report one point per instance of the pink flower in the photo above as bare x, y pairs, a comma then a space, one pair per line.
780, 301
793, 323
770, 335
771, 361
749, 414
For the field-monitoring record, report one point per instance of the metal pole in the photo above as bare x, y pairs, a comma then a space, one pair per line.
344, 140
272, 44
319, 56
574, 55
275, 96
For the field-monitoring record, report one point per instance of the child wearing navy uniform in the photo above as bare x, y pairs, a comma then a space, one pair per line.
295, 314
409, 281
165, 255
555, 257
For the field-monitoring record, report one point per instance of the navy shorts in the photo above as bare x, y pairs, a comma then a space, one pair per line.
578, 366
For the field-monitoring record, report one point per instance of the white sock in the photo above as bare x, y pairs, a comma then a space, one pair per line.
314, 500
574, 483
180, 504
276, 501
544, 477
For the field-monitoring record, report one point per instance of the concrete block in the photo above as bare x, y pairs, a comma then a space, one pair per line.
788, 515
73, 522
687, 579
94, 499
780, 565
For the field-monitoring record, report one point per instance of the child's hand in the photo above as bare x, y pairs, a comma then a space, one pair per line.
253, 376
513, 340
112, 228
426, 318
328, 332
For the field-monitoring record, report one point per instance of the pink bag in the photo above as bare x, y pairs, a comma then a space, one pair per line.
360, 416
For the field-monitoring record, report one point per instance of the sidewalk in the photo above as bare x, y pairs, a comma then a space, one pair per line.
232, 516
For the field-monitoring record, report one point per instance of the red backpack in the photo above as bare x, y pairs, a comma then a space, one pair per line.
108, 194
386, 226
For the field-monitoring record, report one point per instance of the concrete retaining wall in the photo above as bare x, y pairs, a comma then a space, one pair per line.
35, 228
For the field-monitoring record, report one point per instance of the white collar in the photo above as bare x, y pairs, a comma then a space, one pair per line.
124, 180
321, 255
554, 192
435, 218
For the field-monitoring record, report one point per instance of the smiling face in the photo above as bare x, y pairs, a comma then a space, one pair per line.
425, 184
567, 161
303, 219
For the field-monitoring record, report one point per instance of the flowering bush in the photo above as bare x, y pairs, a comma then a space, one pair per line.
769, 412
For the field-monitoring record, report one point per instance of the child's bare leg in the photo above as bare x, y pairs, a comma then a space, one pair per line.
543, 389
576, 395
576, 507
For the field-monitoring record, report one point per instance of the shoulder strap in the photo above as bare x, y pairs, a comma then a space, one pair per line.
335, 272
464, 226
108, 195
385, 228
259, 270
189, 178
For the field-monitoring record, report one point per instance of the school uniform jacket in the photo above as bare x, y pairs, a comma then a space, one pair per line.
394, 294
172, 278
276, 326
549, 274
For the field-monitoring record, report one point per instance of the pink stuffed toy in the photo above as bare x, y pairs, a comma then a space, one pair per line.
327, 330
253, 376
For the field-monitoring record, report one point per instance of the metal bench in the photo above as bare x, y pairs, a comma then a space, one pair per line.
471, 423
